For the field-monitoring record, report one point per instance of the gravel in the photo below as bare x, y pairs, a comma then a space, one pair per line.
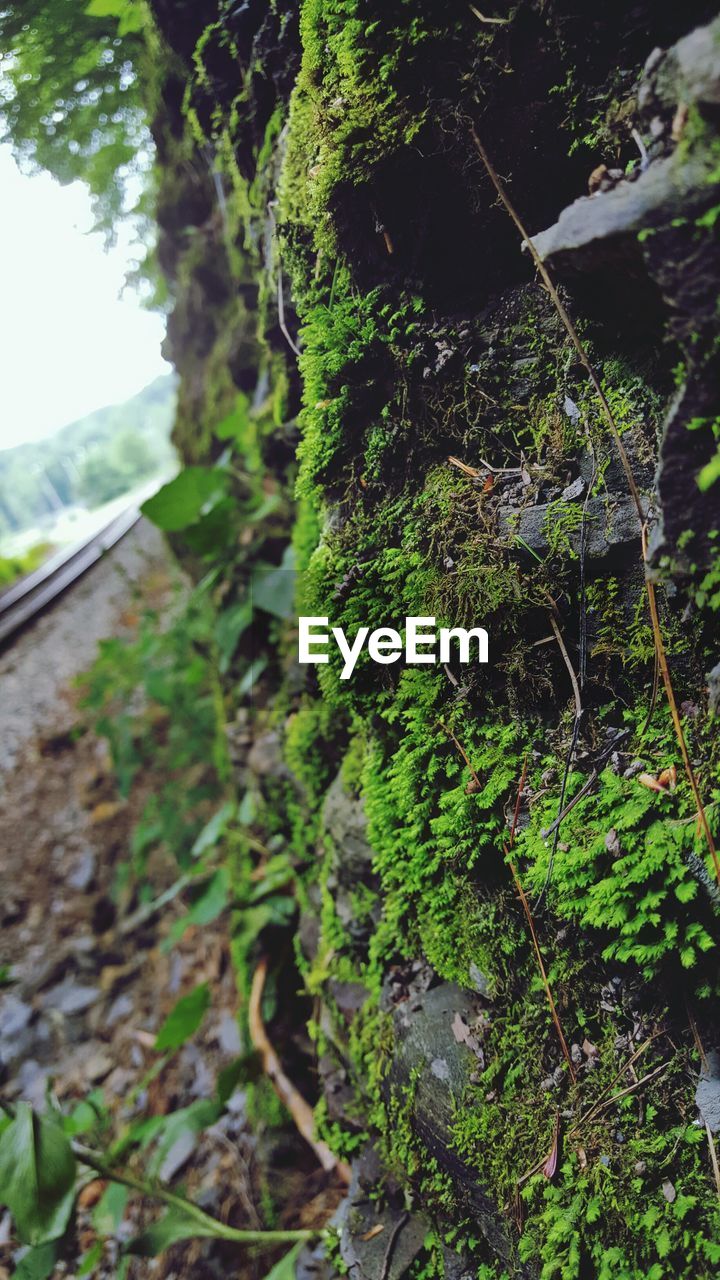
36, 669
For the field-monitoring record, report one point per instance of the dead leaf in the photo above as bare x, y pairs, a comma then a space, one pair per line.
679, 121
91, 1193
549, 1168
668, 778
647, 780
582, 1159
106, 811
473, 786
668, 1191
462, 466
464, 1034
488, 485
373, 1232
144, 1038
612, 843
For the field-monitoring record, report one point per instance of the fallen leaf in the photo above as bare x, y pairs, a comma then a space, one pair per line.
144, 1038
473, 786
373, 1232
612, 843
652, 784
488, 485
668, 777
549, 1168
462, 466
464, 1034
91, 1194
679, 121
582, 1158
106, 810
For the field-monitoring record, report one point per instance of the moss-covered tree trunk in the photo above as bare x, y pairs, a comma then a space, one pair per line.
424, 422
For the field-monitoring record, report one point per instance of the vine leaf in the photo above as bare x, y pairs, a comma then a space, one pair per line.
184, 1020
38, 1263
173, 1226
181, 501
285, 1268
37, 1176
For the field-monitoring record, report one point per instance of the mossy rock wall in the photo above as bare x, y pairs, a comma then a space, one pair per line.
441, 452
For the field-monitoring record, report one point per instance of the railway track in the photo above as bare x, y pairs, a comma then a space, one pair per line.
21, 603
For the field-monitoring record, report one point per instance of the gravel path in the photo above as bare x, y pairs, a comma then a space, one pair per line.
36, 670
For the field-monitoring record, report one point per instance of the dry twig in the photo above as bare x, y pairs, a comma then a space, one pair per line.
523, 899
660, 653
299, 1109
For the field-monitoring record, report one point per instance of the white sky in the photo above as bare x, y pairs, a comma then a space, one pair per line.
68, 345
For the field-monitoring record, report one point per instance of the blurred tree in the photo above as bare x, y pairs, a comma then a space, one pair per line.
70, 98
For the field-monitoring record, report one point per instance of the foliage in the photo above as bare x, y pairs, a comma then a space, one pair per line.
14, 567
184, 1019
70, 96
37, 1175
92, 460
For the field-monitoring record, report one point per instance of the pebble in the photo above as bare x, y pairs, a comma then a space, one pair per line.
178, 1155
83, 872
70, 997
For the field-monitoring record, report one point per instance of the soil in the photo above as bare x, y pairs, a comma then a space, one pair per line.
83, 995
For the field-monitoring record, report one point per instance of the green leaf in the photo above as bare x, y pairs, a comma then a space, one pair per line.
129, 14
252, 674
187, 1120
184, 1020
38, 1263
83, 1118
172, 1227
37, 1176
285, 1268
180, 503
213, 829
106, 8
241, 1071
90, 1260
110, 1209
230, 626
710, 473
273, 589
206, 908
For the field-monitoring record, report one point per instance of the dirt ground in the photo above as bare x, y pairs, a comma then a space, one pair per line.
84, 991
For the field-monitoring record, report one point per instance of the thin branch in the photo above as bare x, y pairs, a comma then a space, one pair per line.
299, 1109
670, 692
588, 1114
387, 1259
618, 1076
281, 313
661, 656
570, 668
482, 18
713, 1156
631, 1088
462, 751
207, 1225
543, 973
529, 919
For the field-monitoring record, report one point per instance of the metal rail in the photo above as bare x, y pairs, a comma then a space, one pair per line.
24, 600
